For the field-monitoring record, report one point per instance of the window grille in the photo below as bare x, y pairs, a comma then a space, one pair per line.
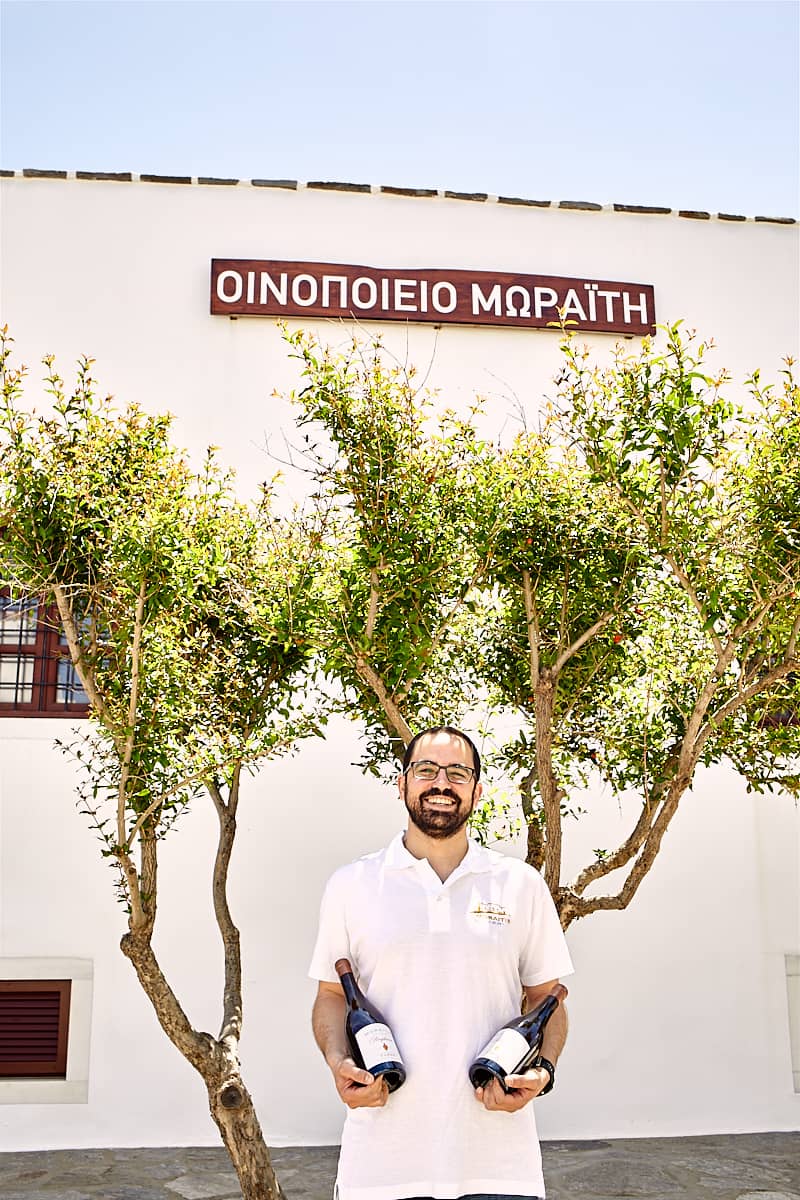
36, 675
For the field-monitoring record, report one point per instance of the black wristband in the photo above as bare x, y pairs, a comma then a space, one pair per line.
551, 1071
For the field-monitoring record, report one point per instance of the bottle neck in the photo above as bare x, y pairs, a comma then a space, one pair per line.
352, 992
542, 1012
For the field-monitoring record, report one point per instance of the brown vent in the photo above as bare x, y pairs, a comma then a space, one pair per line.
34, 1018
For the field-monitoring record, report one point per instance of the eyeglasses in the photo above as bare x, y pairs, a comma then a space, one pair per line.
455, 772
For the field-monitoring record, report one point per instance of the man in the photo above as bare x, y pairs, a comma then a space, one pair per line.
443, 936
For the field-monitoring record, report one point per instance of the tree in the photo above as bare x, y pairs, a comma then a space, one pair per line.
622, 583
403, 491
188, 617
646, 618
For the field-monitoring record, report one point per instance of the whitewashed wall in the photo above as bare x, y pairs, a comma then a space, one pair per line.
671, 998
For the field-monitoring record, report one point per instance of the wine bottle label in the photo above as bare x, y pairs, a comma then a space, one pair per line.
377, 1045
507, 1048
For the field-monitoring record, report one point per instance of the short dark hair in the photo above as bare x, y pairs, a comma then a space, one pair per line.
453, 733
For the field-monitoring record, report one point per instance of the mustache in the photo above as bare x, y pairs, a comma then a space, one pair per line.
448, 792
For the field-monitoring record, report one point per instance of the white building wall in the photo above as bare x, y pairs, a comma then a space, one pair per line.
679, 1005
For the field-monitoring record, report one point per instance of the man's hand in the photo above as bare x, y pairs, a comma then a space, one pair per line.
357, 1088
522, 1089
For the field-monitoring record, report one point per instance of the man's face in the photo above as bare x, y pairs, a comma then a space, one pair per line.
437, 807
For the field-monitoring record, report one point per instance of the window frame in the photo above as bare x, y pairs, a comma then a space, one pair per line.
46, 653
44, 1089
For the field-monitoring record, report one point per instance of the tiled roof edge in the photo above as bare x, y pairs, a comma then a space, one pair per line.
374, 189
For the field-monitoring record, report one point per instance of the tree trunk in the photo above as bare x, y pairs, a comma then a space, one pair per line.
229, 1101
549, 790
232, 1109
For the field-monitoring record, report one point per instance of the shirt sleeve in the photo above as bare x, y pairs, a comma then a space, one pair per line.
333, 941
544, 955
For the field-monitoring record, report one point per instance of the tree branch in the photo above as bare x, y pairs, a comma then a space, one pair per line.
535, 847
231, 1028
680, 765
791, 645
173, 1020
677, 570
372, 679
85, 674
130, 736
572, 906
154, 805
715, 719
549, 790
562, 623
749, 624
456, 606
148, 877
585, 637
372, 612
687, 753
623, 854
131, 875
532, 625
202, 775
678, 769
686, 583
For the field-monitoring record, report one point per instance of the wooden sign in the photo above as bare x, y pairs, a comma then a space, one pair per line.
273, 288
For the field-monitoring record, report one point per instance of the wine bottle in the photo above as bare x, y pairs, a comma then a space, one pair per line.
369, 1037
516, 1046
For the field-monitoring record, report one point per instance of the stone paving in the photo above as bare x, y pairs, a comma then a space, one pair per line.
756, 1166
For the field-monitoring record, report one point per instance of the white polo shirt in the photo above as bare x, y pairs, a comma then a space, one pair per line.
445, 963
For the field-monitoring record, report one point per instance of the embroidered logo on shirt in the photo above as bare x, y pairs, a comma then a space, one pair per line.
495, 914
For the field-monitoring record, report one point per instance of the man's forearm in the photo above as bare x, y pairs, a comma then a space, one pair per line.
555, 1035
327, 1022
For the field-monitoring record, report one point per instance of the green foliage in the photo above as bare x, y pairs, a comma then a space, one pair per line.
619, 588
585, 563
402, 488
192, 614
712, 494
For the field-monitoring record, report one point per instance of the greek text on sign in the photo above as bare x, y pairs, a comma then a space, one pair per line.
272, 288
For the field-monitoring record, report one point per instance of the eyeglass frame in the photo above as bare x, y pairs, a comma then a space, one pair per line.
439, 768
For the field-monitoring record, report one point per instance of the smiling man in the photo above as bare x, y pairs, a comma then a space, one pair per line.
444, 936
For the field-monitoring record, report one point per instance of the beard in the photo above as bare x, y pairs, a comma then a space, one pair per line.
436, 822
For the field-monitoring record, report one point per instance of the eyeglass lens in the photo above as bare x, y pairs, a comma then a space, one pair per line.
455, 772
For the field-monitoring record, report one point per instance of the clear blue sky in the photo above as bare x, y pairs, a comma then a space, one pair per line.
675, 102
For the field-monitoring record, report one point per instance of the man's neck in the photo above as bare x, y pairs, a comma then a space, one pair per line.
444, 854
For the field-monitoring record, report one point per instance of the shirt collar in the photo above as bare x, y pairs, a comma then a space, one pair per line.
477, 858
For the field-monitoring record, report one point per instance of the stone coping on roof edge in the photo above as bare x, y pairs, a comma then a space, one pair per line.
376, 189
